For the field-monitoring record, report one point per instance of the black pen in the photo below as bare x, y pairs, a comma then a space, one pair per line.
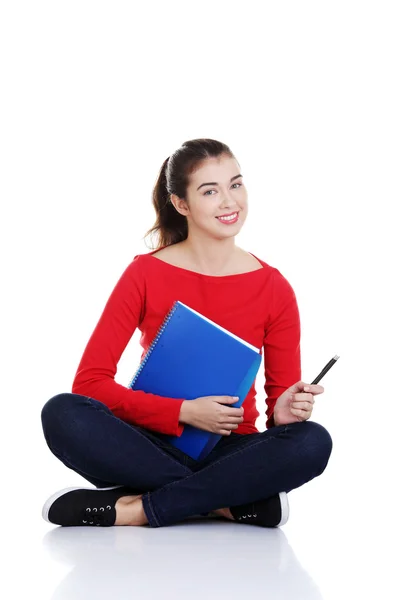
325, 369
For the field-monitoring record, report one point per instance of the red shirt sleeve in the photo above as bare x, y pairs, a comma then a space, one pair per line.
95, 376
282, 356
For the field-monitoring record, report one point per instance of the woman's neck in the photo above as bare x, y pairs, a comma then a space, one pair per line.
211, 257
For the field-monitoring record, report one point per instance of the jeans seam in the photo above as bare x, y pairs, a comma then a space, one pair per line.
153, 514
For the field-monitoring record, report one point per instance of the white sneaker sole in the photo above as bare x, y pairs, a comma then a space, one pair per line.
284, 508
47, 505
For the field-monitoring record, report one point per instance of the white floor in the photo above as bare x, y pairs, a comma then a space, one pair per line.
341, 541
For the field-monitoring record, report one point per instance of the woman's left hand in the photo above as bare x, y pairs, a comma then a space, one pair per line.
296, 403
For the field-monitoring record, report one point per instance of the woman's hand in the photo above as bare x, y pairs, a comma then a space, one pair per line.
296, 403
211, 414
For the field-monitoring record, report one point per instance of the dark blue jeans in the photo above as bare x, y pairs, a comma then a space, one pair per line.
85, 435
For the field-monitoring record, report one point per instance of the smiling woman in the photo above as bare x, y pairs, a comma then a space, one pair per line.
201, 203
196, 165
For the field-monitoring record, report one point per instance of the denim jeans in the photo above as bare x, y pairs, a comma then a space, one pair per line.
85, 435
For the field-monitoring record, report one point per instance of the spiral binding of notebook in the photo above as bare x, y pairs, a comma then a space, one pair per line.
154, 342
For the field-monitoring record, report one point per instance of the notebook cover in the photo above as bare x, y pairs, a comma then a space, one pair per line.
191, 357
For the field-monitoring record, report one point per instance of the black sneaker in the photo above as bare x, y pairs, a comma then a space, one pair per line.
272, 512
83, 506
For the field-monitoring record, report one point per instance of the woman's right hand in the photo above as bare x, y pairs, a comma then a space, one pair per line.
212, 413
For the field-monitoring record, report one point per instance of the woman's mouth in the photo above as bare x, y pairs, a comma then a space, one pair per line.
229, 220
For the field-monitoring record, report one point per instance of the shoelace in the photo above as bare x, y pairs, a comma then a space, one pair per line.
95, 516
252, 515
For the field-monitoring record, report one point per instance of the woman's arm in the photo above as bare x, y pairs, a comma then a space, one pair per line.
282, 356
95, 376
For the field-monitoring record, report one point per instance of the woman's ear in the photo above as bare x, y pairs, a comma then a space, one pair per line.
180, 204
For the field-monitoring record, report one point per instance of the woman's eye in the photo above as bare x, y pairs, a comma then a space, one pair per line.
206, 193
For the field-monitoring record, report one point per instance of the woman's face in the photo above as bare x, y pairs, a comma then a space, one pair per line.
215, 190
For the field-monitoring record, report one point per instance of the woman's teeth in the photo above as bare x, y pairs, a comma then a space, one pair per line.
231, 218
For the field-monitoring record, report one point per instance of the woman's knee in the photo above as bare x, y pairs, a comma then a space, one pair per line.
316, 441
56, 405
59, 412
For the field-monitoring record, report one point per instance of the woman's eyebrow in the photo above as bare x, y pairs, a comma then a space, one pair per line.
215, 183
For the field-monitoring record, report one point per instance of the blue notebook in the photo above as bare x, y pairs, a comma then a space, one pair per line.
190, 357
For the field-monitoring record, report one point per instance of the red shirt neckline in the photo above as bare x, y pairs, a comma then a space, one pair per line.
202, 275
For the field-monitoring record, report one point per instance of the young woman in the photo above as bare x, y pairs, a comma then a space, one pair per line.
115, 437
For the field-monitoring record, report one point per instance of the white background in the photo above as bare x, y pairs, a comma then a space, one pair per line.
94, 97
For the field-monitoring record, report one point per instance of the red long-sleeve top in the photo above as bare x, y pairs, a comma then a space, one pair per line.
259, 306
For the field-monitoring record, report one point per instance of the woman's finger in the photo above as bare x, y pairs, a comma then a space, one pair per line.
303, 405
303, 396
298, 412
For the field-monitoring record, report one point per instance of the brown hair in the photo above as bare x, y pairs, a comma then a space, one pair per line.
170, 226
